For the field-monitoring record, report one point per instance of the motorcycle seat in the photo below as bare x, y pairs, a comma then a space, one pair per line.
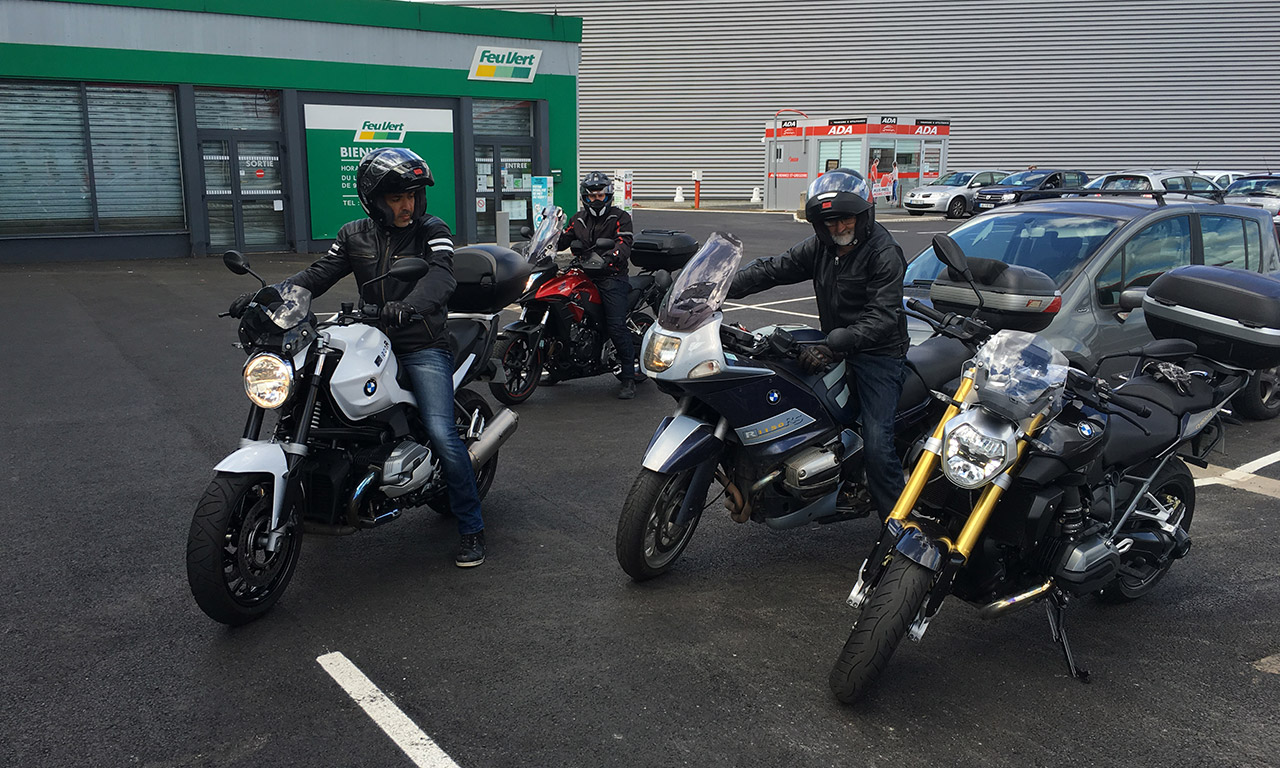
1199, 398
640, 284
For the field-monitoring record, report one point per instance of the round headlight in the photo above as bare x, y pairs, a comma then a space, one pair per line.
268, 380
971, 459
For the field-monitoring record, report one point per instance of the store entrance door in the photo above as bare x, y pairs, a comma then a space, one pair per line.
244, 196
504, 182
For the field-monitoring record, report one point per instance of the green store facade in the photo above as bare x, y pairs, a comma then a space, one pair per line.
163, 128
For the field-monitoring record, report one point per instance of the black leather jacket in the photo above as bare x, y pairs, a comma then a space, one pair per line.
861, 290
615, 224
365, 249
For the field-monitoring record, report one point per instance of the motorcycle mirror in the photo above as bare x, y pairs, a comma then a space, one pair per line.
951, 254
605, 242
841, 338
409, 270
237, 263
526, 231
1132, 298
577, 245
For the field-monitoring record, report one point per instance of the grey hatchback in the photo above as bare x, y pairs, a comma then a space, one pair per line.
1096, 247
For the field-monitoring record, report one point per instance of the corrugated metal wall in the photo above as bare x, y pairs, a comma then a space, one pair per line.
667, 86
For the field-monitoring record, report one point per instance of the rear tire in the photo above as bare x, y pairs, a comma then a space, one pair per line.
1260, 398
233, 578
957, 208
1174, 488
648, 542
522, 364
880, 627
466, 402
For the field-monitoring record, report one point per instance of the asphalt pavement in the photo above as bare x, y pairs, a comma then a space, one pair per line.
123, 391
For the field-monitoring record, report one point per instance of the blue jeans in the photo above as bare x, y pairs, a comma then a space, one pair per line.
615, 292
431, 373
876, 381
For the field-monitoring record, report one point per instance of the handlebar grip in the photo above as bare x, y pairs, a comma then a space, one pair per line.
915, 305
1138, 408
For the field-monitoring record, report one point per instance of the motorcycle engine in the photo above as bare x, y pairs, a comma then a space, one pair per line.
1086, 565
812, 473
581, 343
408, 468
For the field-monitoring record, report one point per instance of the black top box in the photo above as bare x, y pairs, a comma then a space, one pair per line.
1233, 316
667, 249
489, 278
1014, 298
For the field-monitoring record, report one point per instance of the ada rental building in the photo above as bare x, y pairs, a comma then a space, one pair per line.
159, 128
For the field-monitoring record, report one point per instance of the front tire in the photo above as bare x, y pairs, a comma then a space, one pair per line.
880, 627
957, 208
648, 541
522, 364
1176, 490
233, 578
1260, 398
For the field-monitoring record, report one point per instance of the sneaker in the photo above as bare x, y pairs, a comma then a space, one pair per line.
471, 550
628, 390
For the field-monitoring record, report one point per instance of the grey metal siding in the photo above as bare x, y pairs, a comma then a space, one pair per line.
667, 86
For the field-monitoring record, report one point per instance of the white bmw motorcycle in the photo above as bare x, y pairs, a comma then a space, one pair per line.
347, 450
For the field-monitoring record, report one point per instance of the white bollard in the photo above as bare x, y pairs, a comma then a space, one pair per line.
679, 198
755, 195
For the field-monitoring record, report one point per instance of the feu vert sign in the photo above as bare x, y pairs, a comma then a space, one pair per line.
517, 65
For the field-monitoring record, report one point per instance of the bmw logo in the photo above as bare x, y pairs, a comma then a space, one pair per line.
1086, 428
773, 397
370, 387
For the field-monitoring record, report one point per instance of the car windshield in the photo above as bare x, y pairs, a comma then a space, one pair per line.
1023, 178
1055, 243
957, 179
1255, 188
702, 285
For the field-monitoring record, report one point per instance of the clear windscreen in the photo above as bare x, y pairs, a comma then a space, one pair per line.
284, 304
1020, 374
702, 285
542, 247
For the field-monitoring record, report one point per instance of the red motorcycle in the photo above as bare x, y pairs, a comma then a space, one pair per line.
561, 332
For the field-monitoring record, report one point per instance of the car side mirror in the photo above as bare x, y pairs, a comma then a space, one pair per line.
1132, 299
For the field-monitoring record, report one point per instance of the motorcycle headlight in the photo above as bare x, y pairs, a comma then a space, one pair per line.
268, 380
971, 458
660, 352
529, 283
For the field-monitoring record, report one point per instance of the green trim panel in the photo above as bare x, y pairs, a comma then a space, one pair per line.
395, 14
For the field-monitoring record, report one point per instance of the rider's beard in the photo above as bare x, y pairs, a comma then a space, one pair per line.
845, 239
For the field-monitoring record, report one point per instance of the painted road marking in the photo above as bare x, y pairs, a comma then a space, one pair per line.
409, 737
1242, 477
1270, 665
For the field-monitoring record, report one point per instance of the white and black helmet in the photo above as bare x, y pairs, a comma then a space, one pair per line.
594, 182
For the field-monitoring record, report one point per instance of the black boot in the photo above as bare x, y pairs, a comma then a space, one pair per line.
628, 390
471, 550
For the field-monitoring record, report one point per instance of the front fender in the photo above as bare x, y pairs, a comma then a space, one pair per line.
681, 442
260, 458
920, 548
532, 331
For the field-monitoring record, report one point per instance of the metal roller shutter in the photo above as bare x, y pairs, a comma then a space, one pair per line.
136, 170
44, 174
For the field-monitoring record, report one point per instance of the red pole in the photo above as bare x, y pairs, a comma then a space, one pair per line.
697, 192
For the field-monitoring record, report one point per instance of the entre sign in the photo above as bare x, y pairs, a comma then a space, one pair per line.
513, 65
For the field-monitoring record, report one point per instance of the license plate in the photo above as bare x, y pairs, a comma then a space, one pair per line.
986, 205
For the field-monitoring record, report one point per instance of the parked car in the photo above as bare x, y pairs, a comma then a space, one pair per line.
1260, 190
1025, 185
1146, 179
952, 193
1223, 179
1096, 247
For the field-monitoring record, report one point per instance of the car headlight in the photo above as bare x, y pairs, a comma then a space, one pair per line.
971, 459
268, 380
1009, 197
660, 352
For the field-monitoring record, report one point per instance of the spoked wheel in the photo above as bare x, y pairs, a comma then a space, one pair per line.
1172, 498
522, 363
884, 621
648, 539
233, 576
957, 207
465, 404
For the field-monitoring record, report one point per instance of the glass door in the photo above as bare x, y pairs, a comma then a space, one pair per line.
244, 195
504, 182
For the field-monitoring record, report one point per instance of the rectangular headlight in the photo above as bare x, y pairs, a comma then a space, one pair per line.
660, 352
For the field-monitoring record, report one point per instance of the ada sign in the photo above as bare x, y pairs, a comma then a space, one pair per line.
513, 65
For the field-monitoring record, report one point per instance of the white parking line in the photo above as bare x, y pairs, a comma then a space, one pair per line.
1270, 665
409, 737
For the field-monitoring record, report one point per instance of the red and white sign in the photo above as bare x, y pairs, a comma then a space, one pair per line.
788, 175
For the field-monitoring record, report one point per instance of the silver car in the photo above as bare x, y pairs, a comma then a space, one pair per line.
952, 193
1144, 179
1258, 191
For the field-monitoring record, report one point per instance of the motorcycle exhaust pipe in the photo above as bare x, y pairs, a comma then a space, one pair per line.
500, 427
1016, 602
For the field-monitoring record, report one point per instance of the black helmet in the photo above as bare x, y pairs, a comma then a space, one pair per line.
594, 182
839, 194
391, 169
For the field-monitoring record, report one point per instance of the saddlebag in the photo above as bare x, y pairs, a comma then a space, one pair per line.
667, 249
1233, 316
1013, 298
489, 278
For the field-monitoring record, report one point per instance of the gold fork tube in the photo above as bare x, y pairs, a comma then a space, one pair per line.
928, 459
987, 501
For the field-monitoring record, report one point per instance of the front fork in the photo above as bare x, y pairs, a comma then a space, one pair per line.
294, 451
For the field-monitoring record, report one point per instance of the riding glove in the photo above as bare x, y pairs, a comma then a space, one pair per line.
396, 314
240, 304
818, 358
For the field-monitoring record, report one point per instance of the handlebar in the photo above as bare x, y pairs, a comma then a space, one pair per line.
1097, 393
960, 327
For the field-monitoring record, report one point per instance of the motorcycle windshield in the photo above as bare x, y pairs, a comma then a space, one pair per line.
1020, 374
703, 284
542, 247
284, 304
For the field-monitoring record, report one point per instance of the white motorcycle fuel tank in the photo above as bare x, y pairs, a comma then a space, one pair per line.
364, 383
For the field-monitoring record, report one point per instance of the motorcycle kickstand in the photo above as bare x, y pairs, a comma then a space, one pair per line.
1056, 608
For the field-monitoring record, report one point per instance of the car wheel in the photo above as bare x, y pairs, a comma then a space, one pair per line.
957, 207
1260, 398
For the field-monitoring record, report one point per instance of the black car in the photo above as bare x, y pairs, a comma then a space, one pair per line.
1025, 185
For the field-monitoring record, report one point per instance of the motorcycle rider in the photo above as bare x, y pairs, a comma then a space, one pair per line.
857, 269
599, 218
391, 185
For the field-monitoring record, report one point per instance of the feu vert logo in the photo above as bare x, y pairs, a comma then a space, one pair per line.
385, 132
506, 64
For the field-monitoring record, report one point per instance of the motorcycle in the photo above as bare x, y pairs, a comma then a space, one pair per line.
1042, 482
749, 418
561, 332
347, 451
